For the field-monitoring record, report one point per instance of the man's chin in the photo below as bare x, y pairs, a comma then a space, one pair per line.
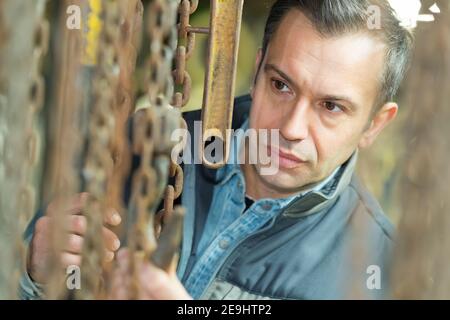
283, 181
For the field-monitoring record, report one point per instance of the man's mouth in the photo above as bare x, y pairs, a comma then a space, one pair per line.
285, 159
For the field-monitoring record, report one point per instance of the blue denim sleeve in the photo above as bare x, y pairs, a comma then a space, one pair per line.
28, 289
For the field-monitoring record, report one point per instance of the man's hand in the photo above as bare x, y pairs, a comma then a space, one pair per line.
152, 283
40, 250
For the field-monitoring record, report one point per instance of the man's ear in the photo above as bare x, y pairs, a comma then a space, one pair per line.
257, 66
381, 119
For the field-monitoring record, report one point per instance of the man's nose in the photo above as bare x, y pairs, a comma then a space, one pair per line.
295, 126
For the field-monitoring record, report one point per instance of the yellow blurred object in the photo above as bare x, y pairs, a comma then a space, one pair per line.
92, 33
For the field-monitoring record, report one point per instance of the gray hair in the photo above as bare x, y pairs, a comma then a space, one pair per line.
337, 17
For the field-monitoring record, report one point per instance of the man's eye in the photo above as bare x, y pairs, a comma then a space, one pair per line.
332, 107
280, 85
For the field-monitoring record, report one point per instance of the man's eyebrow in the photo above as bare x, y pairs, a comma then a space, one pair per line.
272, 67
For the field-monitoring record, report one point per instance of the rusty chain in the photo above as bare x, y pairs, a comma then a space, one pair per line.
129, 43
181, 77
21, 98
36, 101
151, 137
156, 124
186, 44
98, 165
150, 178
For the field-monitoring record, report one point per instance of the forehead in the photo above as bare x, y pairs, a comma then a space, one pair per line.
350, 64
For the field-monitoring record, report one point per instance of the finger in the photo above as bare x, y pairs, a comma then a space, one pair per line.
74, 244
112, 217
121, 268
109, 256
77, 224
123, 260
42, 225
69, 205
112, 242
123, 255
70, 259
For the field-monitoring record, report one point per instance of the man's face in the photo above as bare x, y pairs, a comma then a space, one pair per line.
319, 92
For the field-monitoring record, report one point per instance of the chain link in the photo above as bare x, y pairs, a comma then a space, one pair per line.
186, 44
98, 166
186, 41
181, 77
21, 98
150, 125
156, 124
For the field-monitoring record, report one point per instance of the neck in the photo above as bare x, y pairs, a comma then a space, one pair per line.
255, 187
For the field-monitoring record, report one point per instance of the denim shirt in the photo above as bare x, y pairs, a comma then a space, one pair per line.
227, 224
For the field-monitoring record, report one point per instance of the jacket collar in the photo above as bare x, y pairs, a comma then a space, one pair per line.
316, 201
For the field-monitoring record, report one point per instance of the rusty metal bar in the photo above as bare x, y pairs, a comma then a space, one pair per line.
203, 30
169, 241
225, 25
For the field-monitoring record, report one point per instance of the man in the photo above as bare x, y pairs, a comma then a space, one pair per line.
310, 231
